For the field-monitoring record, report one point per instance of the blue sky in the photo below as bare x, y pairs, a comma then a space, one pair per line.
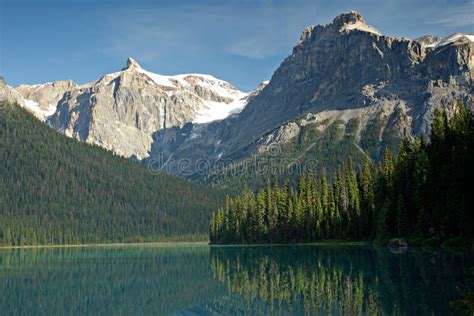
242, 42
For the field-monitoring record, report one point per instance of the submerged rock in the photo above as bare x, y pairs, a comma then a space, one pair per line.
397, 243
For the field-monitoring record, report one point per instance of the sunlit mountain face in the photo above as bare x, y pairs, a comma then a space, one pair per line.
236, 157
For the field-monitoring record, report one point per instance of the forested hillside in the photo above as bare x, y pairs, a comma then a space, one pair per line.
320, 144
423, 194
55, 190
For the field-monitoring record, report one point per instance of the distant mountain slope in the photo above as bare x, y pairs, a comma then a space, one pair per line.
347, 75
347, 72
316, 141
122, 110
347, 65
57, 190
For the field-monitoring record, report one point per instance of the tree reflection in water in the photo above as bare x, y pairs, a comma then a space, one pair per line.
342, 280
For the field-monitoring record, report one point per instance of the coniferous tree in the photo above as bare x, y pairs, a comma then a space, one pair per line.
324, 214
260, 225
56, 190
354, 200
419, 193
366, 189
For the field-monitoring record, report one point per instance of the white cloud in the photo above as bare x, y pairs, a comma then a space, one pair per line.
463, 15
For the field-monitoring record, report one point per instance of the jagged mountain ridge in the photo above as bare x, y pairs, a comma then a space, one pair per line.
342, 72
334, 70
121, 111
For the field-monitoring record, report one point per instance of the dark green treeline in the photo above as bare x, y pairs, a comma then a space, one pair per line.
56, 190
422, 194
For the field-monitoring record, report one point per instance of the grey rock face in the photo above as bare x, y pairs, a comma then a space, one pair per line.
121, 111
337, 69
46, 96
330, 67
341, 71
281, 135
9, 94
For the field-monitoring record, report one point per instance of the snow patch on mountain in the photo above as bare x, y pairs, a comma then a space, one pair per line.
158, 79
131, 105
435, 42
34, 107
235, 99
219, 111
361, 26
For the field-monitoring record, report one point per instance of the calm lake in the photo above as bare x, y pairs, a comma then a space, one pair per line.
260, 280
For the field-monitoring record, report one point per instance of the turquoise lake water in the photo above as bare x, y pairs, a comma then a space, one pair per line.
233, 280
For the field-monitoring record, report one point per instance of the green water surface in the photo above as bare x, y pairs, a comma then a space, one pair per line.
233, 280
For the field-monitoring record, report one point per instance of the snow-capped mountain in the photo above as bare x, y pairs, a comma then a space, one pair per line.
434, 42
122, 110
346, 72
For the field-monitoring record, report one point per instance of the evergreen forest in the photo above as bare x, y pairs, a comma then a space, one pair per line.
422, 194
56, 190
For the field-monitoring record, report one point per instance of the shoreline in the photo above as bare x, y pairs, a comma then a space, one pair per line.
207, 243
183, 243
317, 243
111, 245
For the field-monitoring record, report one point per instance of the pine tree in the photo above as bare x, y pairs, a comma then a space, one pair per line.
343, 202
272, 212
334, 217
354, 200
298, 219
290, 220
212, 228
400, 197
385, 217
309, 208
366, 189
420, 169
320, 231
325, 217
261, 227
402, 217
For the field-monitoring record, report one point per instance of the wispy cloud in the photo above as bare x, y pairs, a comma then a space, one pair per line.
462, 15
242, 41
273, 28
253, 31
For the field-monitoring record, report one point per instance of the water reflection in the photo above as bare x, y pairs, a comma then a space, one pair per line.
342, 280
230, 281
106, 281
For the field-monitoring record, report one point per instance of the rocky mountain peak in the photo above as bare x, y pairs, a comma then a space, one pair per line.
352, 21
122, 110
348, 18
342, 69
347, 65
132, 64
341, 24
